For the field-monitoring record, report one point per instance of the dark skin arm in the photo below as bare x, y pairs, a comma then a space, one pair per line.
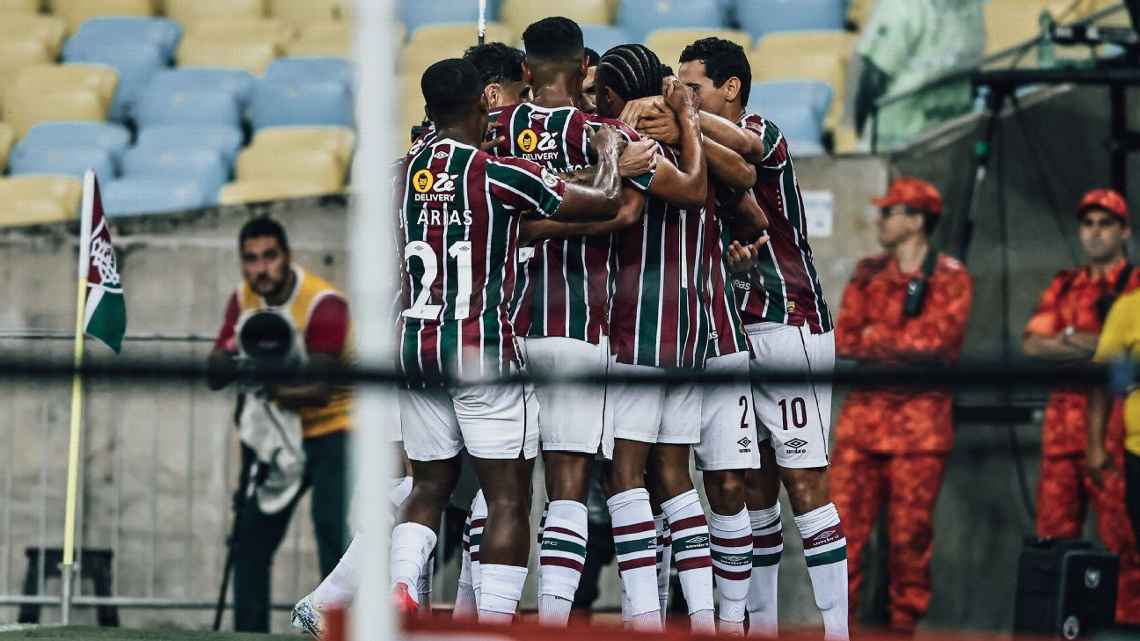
629, 214
747, 225
685, 185
658, 122
600, 200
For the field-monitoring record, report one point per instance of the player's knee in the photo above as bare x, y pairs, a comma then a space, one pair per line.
625, 477
807, 489
510, 507
725, 491
430, 492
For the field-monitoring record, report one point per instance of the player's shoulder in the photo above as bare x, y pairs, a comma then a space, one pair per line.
595, 121
503, 112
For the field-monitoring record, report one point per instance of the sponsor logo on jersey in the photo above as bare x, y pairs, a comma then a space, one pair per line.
527, 140
422, 181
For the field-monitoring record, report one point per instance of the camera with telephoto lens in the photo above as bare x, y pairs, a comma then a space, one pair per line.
267, 341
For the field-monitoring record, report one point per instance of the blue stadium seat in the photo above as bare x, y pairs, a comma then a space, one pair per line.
797, 107
204, 165
601, 37
236, 82
158, 106
416, 14
135, 63
149, 194
310, 69
100, 32
226, 140
71, 160
759, 17
640, 17
113, 138
278, 103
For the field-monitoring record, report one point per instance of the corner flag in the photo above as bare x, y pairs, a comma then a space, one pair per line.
105, 315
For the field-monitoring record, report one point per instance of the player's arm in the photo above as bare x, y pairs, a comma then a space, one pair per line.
629, 214
747, 223
655, 120
745, 142
221, 366
686, 184
729, 167
325, 339
602, 199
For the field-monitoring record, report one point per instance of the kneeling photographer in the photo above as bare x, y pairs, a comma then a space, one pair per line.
294, 435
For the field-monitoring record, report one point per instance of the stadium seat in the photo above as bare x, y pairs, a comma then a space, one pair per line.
416, 14
134, 195
99, 79
48, 29
339, 140
7, 136
639, 18
280, 104
669, 43
226, 31
252, 56
310, 165
226, 140
235, 82
16, 54
25, 109
115, 139
411, 106
135, 63
328, 38
416, 57
807, 55
311, 69
34, 200
76, 12
70, 160
761, 17
190, 11
602, 37
156, 106
204, 165
1012, 22
859, 12
468, 32
518, 14
246, 191
797, 107
303, 12
101, 33
9, 7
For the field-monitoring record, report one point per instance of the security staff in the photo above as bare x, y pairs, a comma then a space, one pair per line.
906, 306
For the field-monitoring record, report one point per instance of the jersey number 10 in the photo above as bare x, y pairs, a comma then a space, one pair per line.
422, 307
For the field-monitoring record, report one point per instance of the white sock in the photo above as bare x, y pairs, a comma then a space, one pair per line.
731, 543
412, 545
339, 587
478, 520
465, 609
423, 586
502, 588
767, 546
561, 557
635, 546
664, 557
399, 491
691, 554
825, 551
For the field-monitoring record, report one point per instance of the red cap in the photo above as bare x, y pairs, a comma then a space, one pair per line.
1106, 199
912, 192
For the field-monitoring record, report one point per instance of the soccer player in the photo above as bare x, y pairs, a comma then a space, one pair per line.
460, 228
789, 326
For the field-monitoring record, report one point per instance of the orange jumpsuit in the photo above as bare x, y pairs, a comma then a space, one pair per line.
892, 444
1065, 490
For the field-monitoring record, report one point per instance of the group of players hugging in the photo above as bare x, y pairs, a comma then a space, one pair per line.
600, 218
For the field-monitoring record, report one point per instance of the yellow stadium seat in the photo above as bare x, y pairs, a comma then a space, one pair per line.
47, 29
859, 12
846, 140
245, 191
302, 12
229, 30
310, 165
99, 79
411, 107
25, 109
32, 200
807, 55
76, 11
669, 43
518, 14
1012, 22
416, 57
19, 6
191, 11
16, 54
433, 34
7, 137
319, 48
340, 141
253, 56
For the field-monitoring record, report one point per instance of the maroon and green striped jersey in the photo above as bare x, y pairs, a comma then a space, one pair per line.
727, 335
564, 288
460, 218
658, 315
784, 286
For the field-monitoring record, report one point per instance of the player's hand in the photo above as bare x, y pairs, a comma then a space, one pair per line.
660, 126
638, 158
635, 110
1097, 463
742, 258
678, 97
606, 140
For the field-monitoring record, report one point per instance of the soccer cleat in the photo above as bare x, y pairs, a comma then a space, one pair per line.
403, 600
306, 617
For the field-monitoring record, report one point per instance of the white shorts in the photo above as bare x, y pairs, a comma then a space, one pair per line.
728, 424
797, 417
491, 421
652, 413
571, 418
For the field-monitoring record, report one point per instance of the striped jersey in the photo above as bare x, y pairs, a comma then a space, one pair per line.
460, 220
727, 335
784, 286
657, 316
564, 288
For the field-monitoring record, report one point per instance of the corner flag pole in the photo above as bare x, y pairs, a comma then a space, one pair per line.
76, 397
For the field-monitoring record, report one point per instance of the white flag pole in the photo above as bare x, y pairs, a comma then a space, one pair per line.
76, 431
482, 21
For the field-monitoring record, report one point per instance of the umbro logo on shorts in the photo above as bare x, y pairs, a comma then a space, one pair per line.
796, 446
744, 443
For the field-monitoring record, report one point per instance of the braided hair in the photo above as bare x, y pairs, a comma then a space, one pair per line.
632, 71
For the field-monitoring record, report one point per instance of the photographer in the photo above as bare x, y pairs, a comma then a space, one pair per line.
906, 306
294, 436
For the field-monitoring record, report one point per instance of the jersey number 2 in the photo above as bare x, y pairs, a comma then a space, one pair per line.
422, 307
